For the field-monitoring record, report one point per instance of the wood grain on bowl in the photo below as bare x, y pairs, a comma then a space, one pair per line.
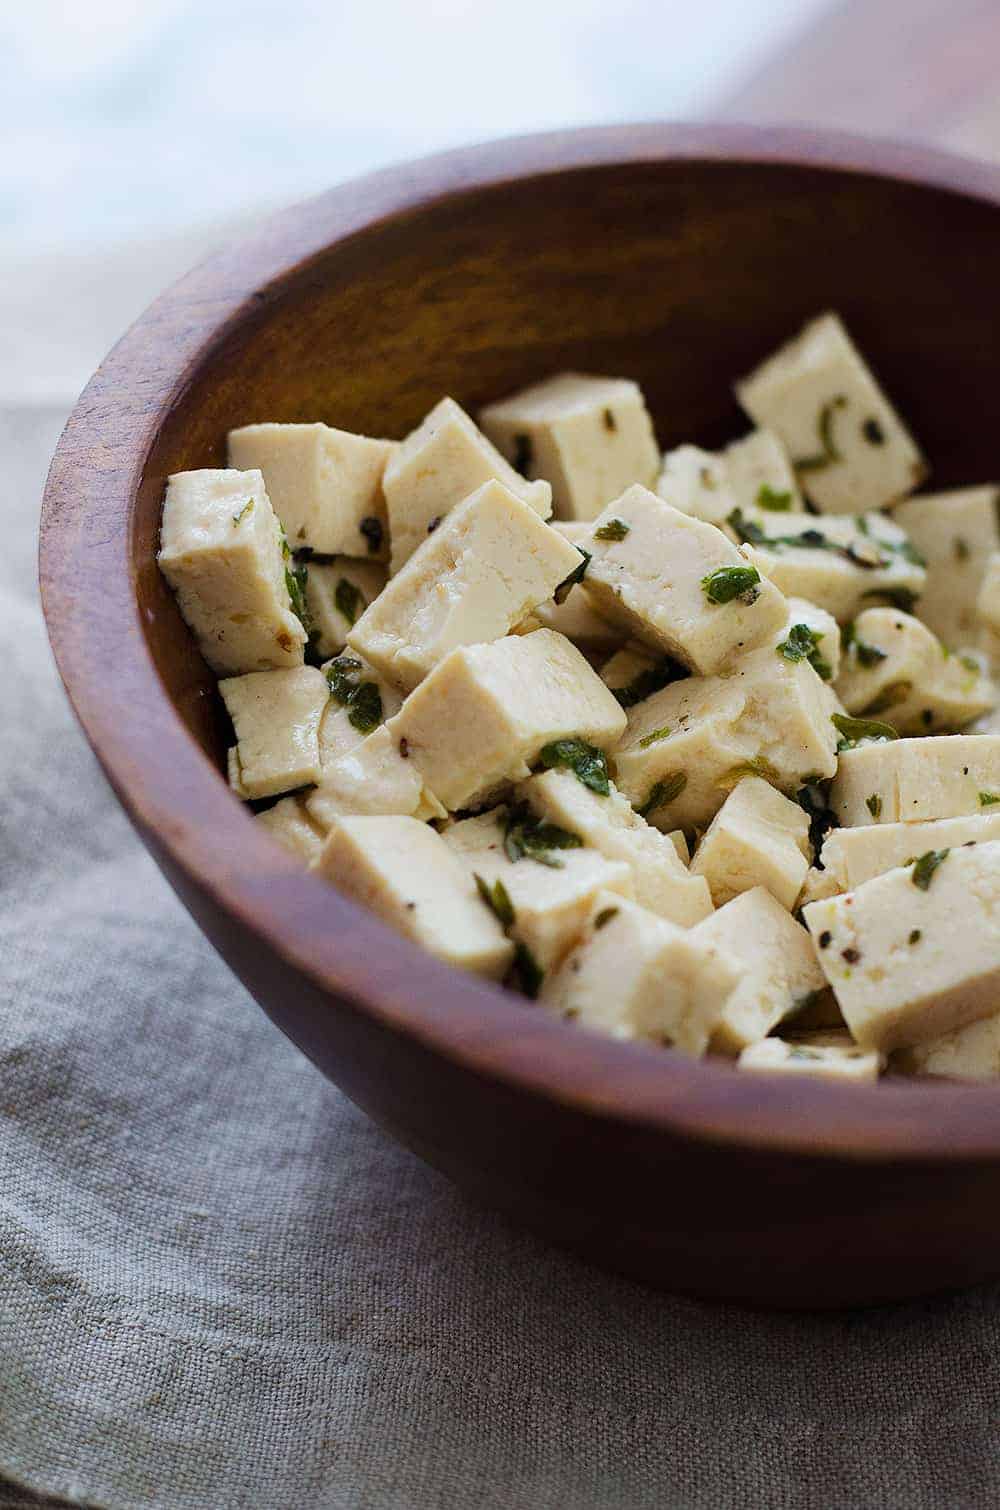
676, 257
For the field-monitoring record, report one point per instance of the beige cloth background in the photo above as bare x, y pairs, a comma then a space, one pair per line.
222, 1287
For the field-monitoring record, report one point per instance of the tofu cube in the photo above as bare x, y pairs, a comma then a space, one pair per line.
913, 780
482, 717
697, 483
848, 445
757, 838
372, 780
551, 901
439, 463
487, 565
824, 630
955, 533
666, 578
896, 669
825, 1056
760, 474
687, 746
575, 616
852, 856
325, 484
634, 975
910, 962
611, 826
288, 821
774, 961
220, 550
969, 1053
276, 716
590, 437
360, 700
337, 594
404, 872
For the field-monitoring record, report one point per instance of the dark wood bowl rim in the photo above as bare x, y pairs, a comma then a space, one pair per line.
151, 758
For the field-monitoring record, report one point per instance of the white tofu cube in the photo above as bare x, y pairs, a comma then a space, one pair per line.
757, 838
575, 616
405, 873
634, 975
775, 964
276, 716
590, 437
489, 563
913, 780
896, 669
325, 484
337, 594
220, 550
677, 584
697, 483
611, 826
955, 533
760, 474
439, 463
848, 445
550, 896
969, 1053
825, 1056
915, 953
852, 856
687, 746
483, 716
372, 780
288, 821
360, 700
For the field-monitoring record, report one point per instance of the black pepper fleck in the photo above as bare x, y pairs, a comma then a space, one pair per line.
825, 940
851, 955
873, 432
404, 748
915, 936
609, 420
434, 523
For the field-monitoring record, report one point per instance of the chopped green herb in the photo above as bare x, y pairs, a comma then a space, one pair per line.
756, 767
890, 697
663, 792
295, 585
371, 529
362, 699
615, 529
587, 763
802, 644
874, 805
903, 598
244, 511
578, 573
729, 582
522, 453
866, 655
527, 837
854, 731
605, 915
961, 549
610, 423
497, 900
824, 425
873, 432
970, 663
527, 970
915, 935
988, 799
772, 499
349, 600
923, 869
654, 737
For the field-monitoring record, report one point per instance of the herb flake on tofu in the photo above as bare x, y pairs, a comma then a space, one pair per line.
773, 500
802, 644
854, 731
654, 737
362, 699
588, 764
526, 837
527, 972
988, 799
578, 573
666, 790
924, 868
497, 900
244, 511
727, 583
349, 600
615, 529
829, 453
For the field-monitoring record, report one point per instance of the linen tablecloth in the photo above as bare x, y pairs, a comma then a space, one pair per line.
221, 1286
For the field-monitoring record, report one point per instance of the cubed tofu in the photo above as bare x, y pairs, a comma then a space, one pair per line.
896, 669
988, 612
687, 746
276, 716
696, 482
913, 780
220, 550
757, 838
760, 474
482, 717
674, 583
824, 657
634, 975
845, 564
955, 533
848, 445
490, 561
852, 856
337, 594
404, 872
825, 1056
360, 700
590, 437
289, 822
439, 463
611, 826
969, 1053
325, 484
575, 616
774, 961
372, 780
551, 899
910, 962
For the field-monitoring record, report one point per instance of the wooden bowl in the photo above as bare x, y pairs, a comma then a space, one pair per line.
674, 256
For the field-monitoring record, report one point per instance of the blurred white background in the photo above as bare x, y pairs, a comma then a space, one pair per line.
137, 133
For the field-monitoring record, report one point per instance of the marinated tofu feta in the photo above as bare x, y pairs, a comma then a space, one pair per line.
325, 484
634, 975
896, 669
487, 713
405, 873
337, 594
826, 1056
915, 953
677, 584
489, 563
276, 716
775, 964
221, 552
955, 533
610, 825
590, 437
439, 463
849, 448
757, 838
289, 822
914, 780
